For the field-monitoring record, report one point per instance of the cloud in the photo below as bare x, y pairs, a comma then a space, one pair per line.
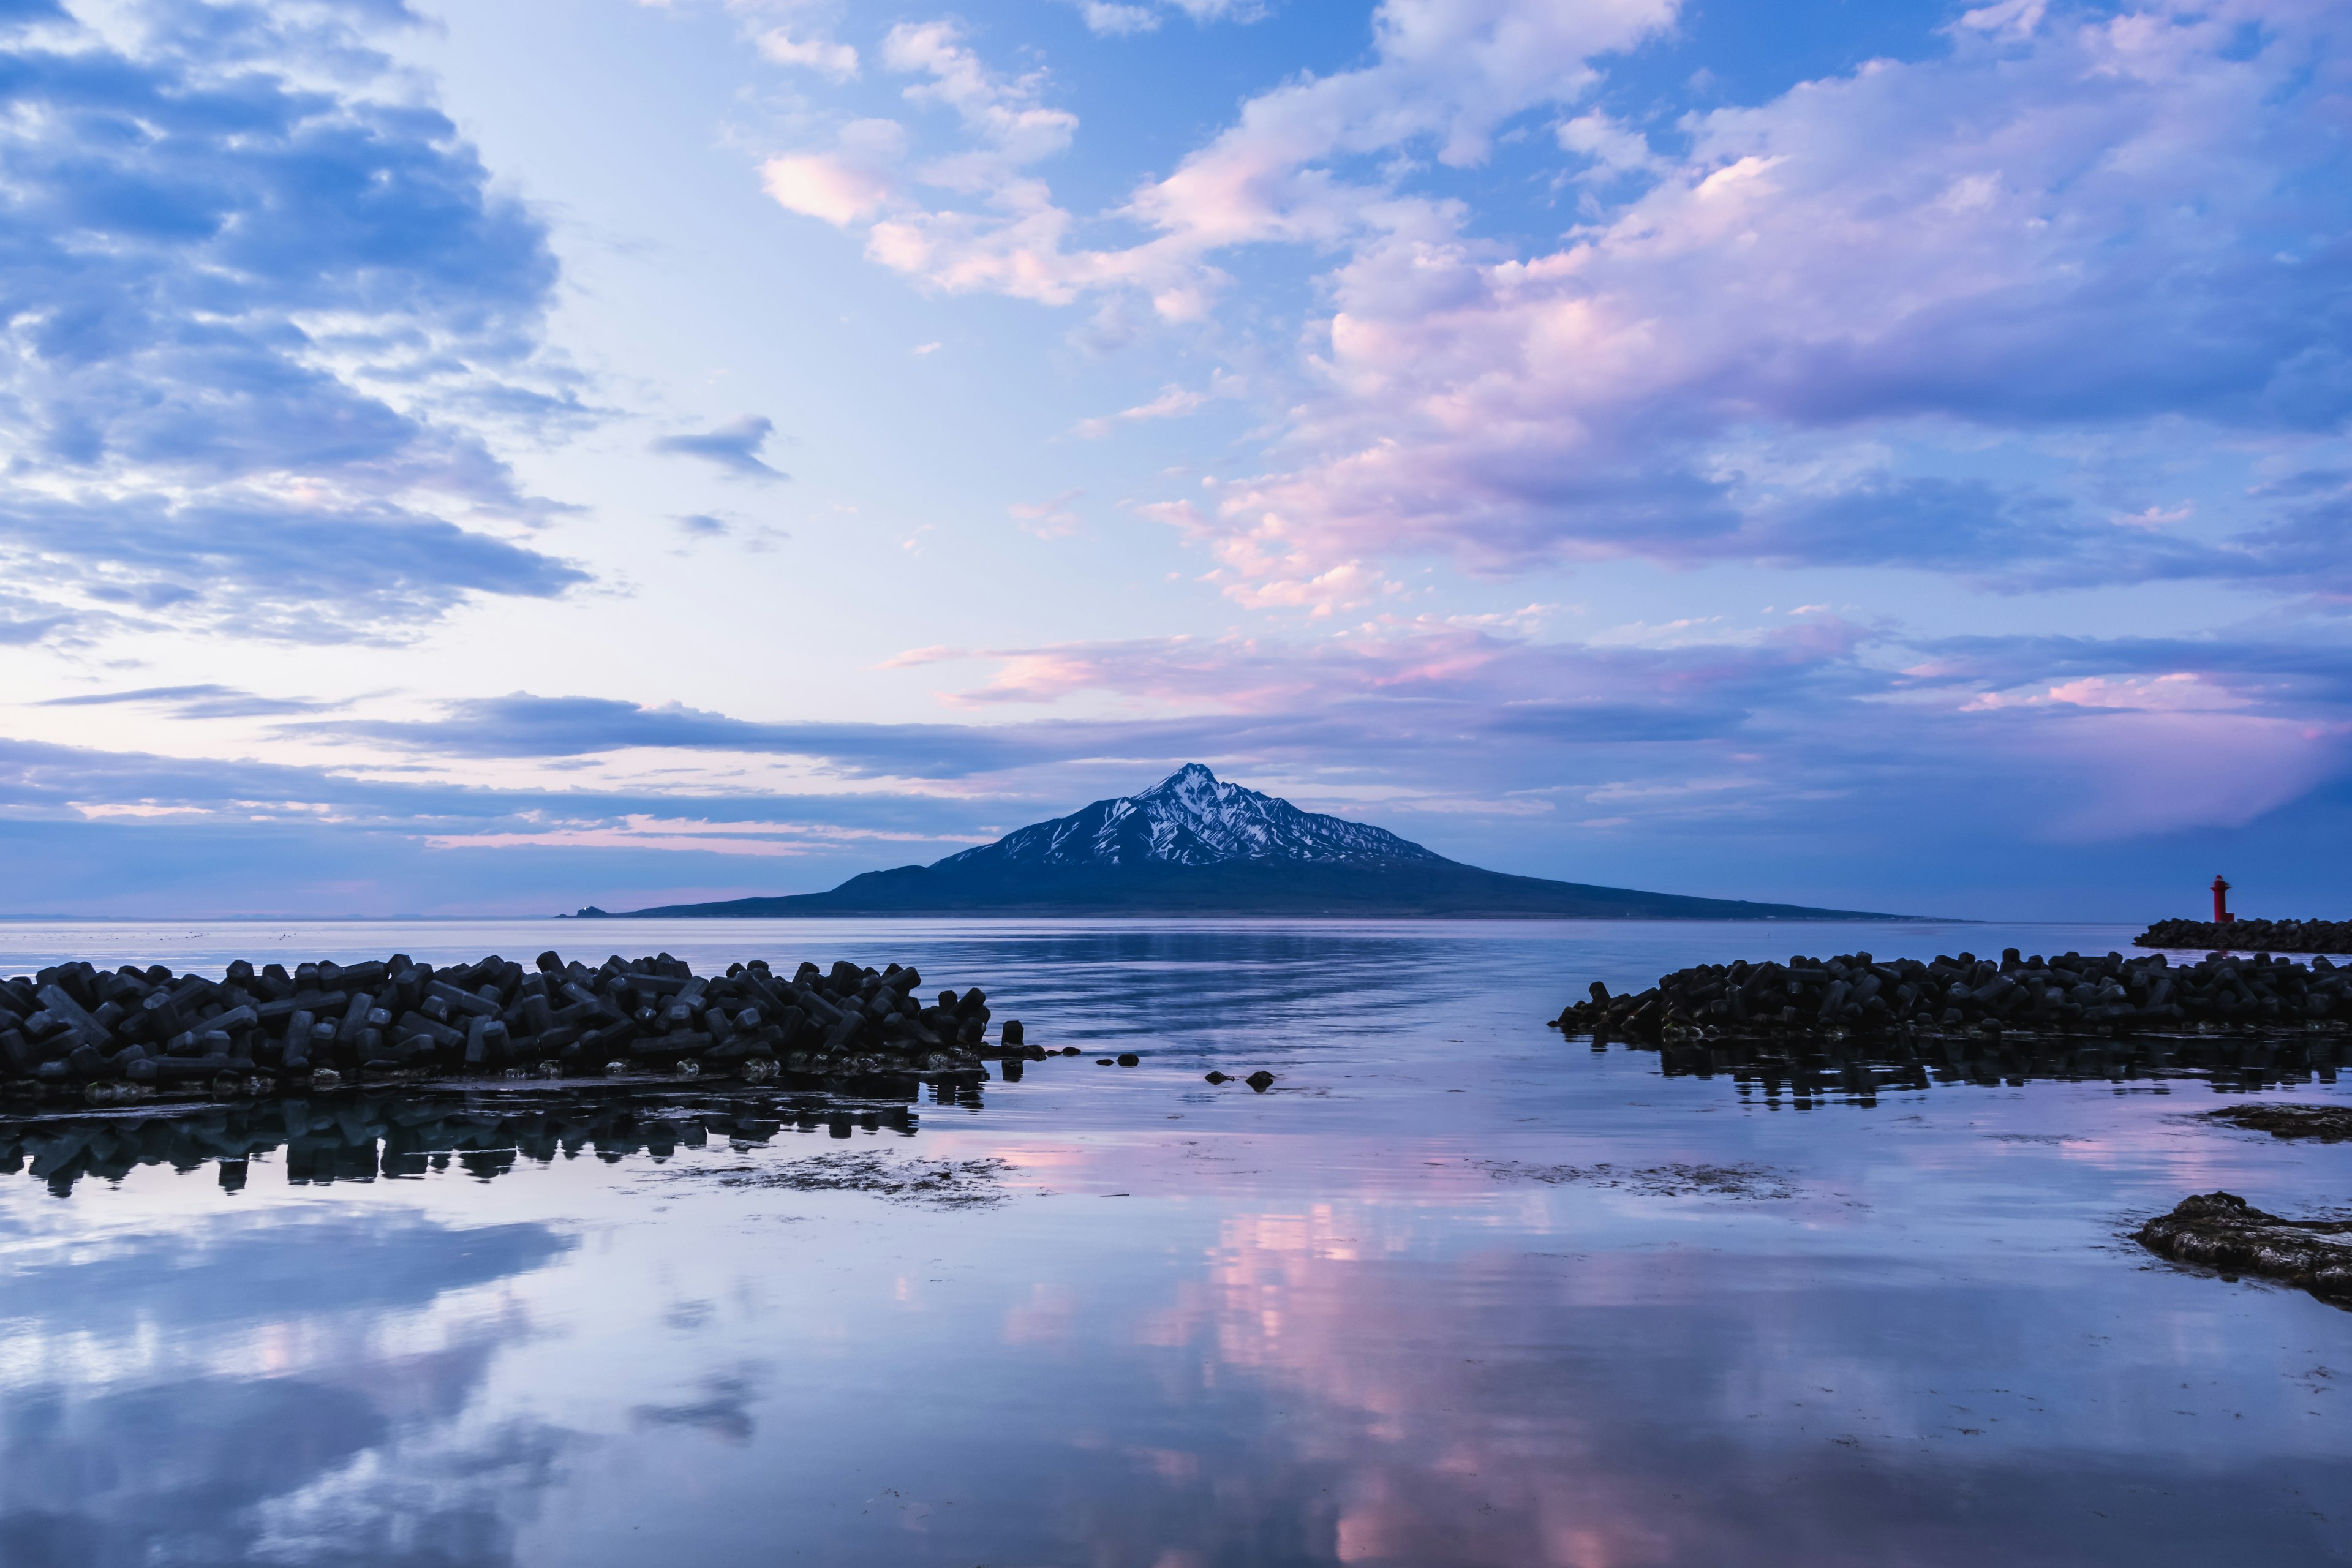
1708, 744
1119, 19
2307, 679
839, 61
1915, 315
131, 833
1050, 519
1004, 115
1449, 73
251, 310
2021, 736
734, 446
2182, 690
857, 179
258, 567
1487, 674
200, 701
524, 725
644, 830
701, 525
1173, 403
1109, 19
1615, 148
1125, 19
1973, 239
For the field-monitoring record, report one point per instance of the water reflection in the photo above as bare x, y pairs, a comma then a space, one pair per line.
209, 1397
1319, 1325
360, 1137
1515, 1406
2241, 1059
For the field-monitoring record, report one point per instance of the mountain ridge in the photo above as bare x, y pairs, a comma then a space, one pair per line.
1195, 844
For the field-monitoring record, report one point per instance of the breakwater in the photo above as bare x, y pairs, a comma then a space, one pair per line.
2249, 936
1856, 996
104, 1037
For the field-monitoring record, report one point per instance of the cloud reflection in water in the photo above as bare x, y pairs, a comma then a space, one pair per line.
1334, 1323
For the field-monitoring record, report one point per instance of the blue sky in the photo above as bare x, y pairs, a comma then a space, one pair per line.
509, 456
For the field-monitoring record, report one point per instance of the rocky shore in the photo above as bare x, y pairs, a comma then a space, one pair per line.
1857, 996
76, 1033
2249, 936
2223, 1232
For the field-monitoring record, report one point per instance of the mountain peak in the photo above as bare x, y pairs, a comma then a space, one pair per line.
1194, 844
1192, 817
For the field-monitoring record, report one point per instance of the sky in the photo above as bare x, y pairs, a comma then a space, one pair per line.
502, 458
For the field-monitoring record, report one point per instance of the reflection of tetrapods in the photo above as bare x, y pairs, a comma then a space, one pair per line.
364, 1136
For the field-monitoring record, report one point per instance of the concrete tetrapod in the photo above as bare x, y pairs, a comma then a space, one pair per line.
75, 1033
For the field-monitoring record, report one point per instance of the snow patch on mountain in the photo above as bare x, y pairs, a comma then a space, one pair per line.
1192, 817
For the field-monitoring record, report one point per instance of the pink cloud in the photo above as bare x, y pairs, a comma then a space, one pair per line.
1935, 238
2068, 222
851, 183
1486, 660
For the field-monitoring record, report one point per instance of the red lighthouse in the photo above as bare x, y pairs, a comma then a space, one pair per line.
2221, 915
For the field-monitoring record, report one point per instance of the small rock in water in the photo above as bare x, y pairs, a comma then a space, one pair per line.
2225, 1233
1102, 1061
1129, 1059
2326, 1123
1219, 1078
1069, 1050
1260, 1080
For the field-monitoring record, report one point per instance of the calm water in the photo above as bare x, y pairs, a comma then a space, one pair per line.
1394, 1311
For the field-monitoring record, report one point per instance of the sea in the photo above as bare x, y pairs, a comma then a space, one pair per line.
1453, 1290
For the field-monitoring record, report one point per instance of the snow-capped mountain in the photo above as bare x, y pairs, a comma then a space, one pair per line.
1194, 844
1192, 817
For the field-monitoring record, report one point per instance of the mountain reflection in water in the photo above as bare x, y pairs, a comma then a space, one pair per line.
1443, 1297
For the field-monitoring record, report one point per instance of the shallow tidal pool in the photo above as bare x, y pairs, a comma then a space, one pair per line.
1454, 1291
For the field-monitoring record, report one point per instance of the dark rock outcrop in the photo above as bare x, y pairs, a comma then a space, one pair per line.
2222, 1231
2322, 1123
